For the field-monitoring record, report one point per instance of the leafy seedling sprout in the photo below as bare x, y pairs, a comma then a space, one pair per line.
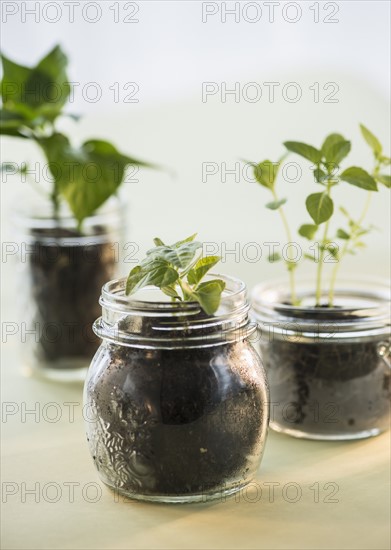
178, 270
326, 168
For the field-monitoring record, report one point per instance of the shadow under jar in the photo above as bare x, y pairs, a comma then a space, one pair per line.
61, 274
176, 401
328, 368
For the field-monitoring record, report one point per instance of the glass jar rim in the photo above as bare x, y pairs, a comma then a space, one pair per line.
362, 309
41, 225
173, 324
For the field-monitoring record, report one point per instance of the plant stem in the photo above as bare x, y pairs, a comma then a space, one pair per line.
345, 249
289, 237
321, 253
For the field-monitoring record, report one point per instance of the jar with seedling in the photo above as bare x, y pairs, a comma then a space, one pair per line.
70, 234
177, 395
325, 342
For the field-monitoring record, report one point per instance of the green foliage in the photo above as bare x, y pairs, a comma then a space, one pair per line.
32, 100
308, 230
320, 206
178, 271
307, 151
359, 177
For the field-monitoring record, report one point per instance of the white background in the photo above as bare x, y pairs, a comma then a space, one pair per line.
170, 52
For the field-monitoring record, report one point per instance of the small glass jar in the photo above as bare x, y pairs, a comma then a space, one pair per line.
328, 368
61, 273
176, 401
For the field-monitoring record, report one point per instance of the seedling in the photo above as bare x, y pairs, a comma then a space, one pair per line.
33, 100
326, 167
177, 270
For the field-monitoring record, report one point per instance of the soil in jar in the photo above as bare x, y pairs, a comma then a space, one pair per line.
65, 285
328, 388
178, 422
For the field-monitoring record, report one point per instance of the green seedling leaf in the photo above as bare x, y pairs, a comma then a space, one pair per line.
179, 256
308, 230
159, 273
87, 176
208, 295
166, 267
371, 140
275, 257
170, 291
265, 173
338, 152
158, 242
38, 92
328, 143
320, 207
319, 175
341, 234
359, 177
201, 268
385, 179
187, 240
275, 205
307, 151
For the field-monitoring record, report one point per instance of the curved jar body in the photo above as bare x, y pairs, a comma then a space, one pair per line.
61, 272
177, 401
328, 368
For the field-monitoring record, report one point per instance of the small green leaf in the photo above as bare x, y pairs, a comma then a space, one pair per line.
341, 234
180, 256
36, 92
309, 257
304, 150
320, 175
201, 268
338, 152
158, 273
208, 295
385, 179
328, 143
359, 177
308, 230
275, 205
372, 140
87, 176
170, 291
320, 207
265, 173
275, 257
187, 240
158, 242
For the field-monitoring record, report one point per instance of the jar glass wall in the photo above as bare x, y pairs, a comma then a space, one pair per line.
328, 368
177, 400
61, 271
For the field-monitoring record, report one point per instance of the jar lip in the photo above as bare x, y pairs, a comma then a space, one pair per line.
171, 325
113, 296
39, 222
362, 304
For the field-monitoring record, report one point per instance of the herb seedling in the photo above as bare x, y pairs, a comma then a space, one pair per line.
178, 270
327, 173
33, 99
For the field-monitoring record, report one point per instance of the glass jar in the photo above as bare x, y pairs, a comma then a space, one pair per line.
61, 274
176, 401
328, 368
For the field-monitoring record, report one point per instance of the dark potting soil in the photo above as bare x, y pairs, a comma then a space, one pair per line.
65, 283
328, 388
177, 422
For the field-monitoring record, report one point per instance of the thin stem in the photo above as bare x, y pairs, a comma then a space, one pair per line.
322, 251
289, 237
345, 249
320, 265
